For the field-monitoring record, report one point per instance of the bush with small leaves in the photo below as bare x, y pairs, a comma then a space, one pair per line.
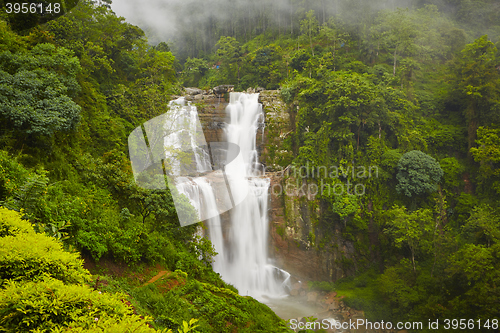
49, 304
12, 225
42, 288
26, 255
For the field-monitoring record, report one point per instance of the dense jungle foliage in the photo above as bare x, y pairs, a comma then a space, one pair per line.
414, 92
70, 93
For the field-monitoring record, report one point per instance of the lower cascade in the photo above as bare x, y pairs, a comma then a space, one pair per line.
242, 240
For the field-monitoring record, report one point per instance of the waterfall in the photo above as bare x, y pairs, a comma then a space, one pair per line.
184, 134
242, 242
245, 263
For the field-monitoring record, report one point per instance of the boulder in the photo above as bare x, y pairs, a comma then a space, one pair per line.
222, 89
193, 91
312, 296
329, 298
333, 306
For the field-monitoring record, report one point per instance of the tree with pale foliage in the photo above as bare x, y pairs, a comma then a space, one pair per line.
413, 229
309, 26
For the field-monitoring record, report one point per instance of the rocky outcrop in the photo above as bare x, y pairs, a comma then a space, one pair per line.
211, 111
222, 89
193, 91
276, 130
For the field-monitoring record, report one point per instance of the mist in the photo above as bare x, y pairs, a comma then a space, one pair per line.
192, 27
167, 18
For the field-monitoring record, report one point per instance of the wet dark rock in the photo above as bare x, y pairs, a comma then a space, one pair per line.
222, 89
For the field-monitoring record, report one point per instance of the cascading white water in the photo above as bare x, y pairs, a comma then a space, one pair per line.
245, 262
184, 131
242, 258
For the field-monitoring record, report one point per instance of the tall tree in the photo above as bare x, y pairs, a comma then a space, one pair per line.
488, 155
398, 32
411, 228
36, 88
309, 27
228, 53
478, 85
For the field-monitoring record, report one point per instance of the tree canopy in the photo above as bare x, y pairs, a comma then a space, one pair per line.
418, 174
36, 87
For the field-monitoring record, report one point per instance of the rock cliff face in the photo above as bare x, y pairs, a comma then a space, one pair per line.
302, 239
212, 114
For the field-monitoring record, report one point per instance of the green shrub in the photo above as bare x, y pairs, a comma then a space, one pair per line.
157, 247
50, 305
26, 255
177, 298
12, 225
42, 291
12, 175
321, 285
105, 324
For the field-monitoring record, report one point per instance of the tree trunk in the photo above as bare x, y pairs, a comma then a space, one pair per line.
324, 17
359, 127
435, 247
413, 260
279, 23
310, 41
394, 69
471, 126
245, 28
